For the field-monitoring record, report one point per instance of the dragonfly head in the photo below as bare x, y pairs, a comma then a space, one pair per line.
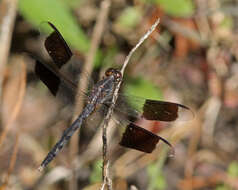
115, 72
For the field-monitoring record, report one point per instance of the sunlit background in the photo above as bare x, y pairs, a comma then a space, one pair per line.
191, 58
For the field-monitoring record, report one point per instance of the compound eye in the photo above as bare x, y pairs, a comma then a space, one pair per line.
109, 72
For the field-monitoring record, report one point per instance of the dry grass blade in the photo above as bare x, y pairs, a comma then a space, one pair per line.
12, 162
7, 18
17, 81
19, 84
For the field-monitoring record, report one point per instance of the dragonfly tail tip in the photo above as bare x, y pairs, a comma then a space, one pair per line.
40, 169
172, 153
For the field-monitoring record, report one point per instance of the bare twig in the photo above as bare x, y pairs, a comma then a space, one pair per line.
93, 148
136, 46
107, 180
115, 95
88, 67
7, 17
133, 187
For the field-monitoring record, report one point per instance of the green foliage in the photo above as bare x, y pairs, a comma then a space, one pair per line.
96, 174
177, 7
73, 3
143, 88
129, 18
57, 12
233, 169
157, 180
227, 22
180, 8
223, 187
109, 56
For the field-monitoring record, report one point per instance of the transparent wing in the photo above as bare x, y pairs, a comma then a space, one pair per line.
62, 75
129, 109
137, 108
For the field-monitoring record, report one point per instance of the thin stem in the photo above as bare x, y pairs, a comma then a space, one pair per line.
115, 95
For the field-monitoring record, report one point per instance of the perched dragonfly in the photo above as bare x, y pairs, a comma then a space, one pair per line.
134, 137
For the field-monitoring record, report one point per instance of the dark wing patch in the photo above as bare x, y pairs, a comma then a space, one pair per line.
164, 111
139, 138
57, 83
57, 48
134, 108
48, 77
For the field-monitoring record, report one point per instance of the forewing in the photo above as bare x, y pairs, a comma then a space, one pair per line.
57, 83
48, 77
57, 48
165, 111
62, 82
137, 108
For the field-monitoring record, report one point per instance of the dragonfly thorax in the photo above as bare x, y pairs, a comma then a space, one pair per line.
115, 72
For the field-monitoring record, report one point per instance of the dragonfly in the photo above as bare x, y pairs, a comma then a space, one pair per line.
134, 136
